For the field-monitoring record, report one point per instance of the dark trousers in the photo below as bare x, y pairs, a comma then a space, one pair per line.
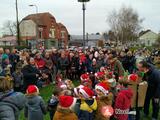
155, 106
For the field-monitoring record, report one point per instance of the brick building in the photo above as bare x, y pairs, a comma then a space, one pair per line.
37, 30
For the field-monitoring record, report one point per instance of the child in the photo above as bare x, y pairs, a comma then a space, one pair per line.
85, 80
35, 107
18, 79
53, 102
123, 102
64, 111
88, 104
104, 98
11, 103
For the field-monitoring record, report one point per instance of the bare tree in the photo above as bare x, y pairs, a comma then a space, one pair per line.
125, 24
9, 28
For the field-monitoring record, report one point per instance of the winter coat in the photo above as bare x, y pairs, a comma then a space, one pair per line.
87, 109
54, 58
101, 102
72, 64
89, 65
153, 79
64, 114
29, 75
11, 103
123, 103
18, 79
14, 59
40, 63
117, 68
63, 63
100, 63
124, 62
131, 63
35, 108
52, 105
48, 63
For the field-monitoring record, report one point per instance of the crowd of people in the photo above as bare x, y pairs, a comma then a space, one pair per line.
109, 82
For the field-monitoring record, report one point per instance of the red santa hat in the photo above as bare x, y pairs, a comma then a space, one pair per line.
67, 101
103, 87
32, 89
86, 92
99, 74
133, 77
84, 77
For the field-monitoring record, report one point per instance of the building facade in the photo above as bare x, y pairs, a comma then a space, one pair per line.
148, 38
42, 30
8, 41
91, 40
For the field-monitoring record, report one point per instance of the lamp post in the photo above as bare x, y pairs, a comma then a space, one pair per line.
37, 22
83, 8
35, 7
18, 31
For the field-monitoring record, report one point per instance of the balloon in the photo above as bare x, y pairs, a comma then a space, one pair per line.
107, 111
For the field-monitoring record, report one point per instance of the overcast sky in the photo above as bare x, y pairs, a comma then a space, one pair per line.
69, 12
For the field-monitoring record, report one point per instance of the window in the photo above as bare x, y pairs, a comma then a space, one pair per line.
40, 34
148, 42
52, 33
63, 34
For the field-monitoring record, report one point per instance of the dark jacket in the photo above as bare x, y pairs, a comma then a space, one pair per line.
89, 65
34, 108
63, 63
10, 105
29, 75
87, 109
153, 79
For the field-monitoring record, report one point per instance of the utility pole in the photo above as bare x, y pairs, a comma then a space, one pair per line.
84, 9
18, 31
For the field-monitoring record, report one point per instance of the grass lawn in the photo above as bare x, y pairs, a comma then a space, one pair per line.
46, 93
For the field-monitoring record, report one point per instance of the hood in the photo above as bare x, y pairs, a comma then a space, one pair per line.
15, 98
64, 110
32, 100
127, 92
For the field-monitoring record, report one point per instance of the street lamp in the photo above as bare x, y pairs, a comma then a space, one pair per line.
83, 8
35, 7
36, 19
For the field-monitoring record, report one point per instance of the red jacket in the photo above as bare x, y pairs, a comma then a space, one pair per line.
40, 63
122, 104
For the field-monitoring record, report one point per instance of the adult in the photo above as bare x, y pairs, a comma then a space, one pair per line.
30, 73
123, 59
63, 64
14, 59
49, 67
131, 62
115, 65
39, 62
89, 63
55, 57
152, 76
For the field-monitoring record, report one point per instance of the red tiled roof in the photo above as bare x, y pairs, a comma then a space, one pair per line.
39, 18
